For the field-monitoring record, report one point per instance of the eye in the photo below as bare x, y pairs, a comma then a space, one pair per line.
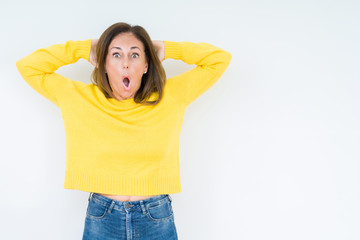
135, 55
116, 54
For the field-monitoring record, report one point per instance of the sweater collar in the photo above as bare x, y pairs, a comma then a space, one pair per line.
113, 103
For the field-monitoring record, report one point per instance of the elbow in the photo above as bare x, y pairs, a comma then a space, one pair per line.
20, 65
23, 68
227, 57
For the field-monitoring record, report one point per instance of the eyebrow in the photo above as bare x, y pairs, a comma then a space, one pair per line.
130, 48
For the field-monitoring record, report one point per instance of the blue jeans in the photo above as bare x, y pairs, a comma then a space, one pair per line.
151, 218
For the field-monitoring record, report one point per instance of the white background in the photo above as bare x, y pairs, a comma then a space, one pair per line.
271, 151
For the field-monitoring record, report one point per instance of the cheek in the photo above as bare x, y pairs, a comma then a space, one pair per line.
139, 70
111, 68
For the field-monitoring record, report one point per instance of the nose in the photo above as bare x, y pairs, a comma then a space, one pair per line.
125, 63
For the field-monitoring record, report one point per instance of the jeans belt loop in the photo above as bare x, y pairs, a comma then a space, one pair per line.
111, 206
143, 207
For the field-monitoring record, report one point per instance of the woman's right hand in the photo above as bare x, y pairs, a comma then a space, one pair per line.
92, 58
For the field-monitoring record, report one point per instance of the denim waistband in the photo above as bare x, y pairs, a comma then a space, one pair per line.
122, 205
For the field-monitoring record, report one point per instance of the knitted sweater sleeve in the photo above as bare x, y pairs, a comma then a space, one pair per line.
211, 62
38, 68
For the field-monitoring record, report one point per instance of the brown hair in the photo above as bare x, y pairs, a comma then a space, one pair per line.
153, 81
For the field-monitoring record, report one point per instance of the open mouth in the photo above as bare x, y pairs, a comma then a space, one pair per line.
126, 83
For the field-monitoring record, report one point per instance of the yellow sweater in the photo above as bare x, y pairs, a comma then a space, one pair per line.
121, 147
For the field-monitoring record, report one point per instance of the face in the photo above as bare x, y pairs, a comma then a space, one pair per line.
125, 65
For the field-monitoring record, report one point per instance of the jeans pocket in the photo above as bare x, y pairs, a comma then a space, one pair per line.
161, 211
96, 210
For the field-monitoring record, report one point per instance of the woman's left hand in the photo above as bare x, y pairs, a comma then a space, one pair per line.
159, 49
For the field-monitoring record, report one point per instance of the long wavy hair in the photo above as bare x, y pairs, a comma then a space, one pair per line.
153, 81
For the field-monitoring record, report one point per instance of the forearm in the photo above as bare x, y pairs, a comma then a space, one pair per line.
49, 59
202, 54
38, 68
211, 63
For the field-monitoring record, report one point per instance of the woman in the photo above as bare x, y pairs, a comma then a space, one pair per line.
122, 130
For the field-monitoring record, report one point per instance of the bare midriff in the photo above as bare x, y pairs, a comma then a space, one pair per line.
126, 198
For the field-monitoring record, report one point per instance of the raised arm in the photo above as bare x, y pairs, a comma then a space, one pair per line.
38, 68
211, 63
